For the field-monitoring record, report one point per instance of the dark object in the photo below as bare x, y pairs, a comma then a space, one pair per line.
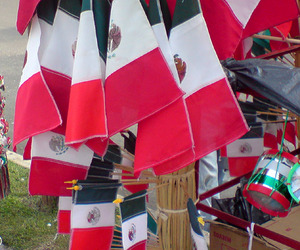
273, 80
239, 207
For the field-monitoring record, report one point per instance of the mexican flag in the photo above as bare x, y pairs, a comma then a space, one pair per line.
53, 163
93, 216
160, 133
134, 221
36, 110
215, 116
86, 113
135, 69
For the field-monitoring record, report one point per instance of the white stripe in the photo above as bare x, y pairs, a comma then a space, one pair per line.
65, 203
199, 240
273, 165
32, 65
103, 214
138, 224
58, 54
137, 37
245, 147
191, 41
243, 9
162, 39
87, 59
52, 145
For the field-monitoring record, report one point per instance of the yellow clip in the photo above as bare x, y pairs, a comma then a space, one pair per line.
71, 182
117, 201
201, 221
76, 188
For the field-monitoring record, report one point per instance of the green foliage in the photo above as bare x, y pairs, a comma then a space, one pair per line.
26, 222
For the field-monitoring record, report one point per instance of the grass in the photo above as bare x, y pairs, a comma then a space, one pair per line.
25, 222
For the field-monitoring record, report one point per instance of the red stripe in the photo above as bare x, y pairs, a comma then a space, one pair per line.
86, 116
91, 238
139, 246
171, 126
239, 166
25, 13
138, 90
265, 17
47, 176
215, 117
64, 222
224, 29
35, 111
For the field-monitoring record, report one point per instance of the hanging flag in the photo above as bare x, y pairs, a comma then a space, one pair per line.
215, 116
159, 134
196, 232
86, 113
53, 163
231, 21
64, 214
134, 221
93, 216
135, 69
36, 110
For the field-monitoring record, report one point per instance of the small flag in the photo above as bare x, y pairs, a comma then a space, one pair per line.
53, 163
134, 221
93, 216
196, 232
64, 214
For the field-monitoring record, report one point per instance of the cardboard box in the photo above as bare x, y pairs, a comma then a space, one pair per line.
226, 237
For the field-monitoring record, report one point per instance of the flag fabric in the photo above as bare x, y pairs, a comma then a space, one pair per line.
26, 11
135, 69
158, 135
242, 155
53, 163
215, 116
134, 221
36, 111
196, 232
64, 214
86, 113
93, 216
231, 21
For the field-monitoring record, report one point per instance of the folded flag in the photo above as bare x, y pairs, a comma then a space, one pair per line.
35, 105
134, 221
169, 124
93, 216
86, 113
231, 21
135, 69
64, 214
196, 232
53, 163
215, 116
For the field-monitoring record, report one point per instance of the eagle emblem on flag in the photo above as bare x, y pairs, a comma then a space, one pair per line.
180, 66
94, 216
114, 38
57, 144
132, 232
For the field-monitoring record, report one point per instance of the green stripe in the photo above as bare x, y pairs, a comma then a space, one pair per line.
153, 13
86, 5
133, 205
185, 10
96, 194
145, 6
274, 184
166, 15
101, 11
72, 8
46, 10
